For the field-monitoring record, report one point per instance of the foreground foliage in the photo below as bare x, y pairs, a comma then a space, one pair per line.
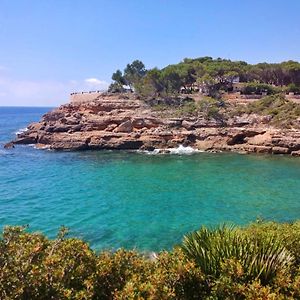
261, 261
258, 258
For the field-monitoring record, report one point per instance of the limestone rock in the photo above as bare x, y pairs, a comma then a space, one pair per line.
123, 122
280, 150
240, 137
296, 153
124, 127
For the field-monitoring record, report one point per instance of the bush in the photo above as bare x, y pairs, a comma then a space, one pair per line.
254, 258
259, 88
207, 107
210, 107
293, 88
283, 112
242, 263
32, 267
287, 233
116, 88
115, 270
170, 276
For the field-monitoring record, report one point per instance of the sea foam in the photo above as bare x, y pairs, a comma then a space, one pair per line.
183, 150
180, 150
21, 130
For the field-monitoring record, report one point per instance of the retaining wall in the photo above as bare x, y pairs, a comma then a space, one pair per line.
84, 96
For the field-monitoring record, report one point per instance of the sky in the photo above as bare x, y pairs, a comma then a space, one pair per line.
49, 49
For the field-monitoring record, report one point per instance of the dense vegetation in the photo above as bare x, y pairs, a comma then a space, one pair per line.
279, 111
282, 112
208, 74
169, 90
261, 261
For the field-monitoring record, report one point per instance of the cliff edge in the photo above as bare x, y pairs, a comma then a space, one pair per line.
121, 121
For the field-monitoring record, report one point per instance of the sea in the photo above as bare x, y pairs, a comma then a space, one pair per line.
138, 200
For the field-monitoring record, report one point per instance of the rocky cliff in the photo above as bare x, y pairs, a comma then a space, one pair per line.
122, 122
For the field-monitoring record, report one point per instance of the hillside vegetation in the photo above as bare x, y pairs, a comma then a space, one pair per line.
260, 261
198, 88
282, 112
210, 76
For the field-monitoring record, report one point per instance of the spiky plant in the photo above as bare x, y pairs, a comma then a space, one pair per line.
260, 258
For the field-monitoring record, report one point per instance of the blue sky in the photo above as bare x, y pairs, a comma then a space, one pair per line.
51, 48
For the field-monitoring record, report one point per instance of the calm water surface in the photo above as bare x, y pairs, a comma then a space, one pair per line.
114, 199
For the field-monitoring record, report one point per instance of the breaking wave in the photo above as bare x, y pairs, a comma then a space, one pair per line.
21, 130
180, 150
183, 150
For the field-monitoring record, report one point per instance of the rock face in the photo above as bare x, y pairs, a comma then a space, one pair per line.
117, 122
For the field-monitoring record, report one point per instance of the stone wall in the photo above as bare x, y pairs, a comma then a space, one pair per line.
84, 96
293, 97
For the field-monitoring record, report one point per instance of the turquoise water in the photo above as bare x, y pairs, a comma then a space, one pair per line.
114, 199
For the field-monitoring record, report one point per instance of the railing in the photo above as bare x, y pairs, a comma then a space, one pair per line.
89, 92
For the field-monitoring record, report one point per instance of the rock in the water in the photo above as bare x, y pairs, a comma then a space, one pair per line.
296, 153
9, 145
280, 150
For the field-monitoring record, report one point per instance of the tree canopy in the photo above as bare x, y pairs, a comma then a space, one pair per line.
205, 72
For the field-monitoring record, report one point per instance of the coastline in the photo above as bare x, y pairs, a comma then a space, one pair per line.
119, 122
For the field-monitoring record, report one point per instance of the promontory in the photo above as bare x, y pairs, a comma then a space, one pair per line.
208, 104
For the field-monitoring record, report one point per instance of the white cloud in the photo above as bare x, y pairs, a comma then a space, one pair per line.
95, 82
43, 92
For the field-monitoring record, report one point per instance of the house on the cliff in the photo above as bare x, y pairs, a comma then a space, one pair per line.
189, 88
233, 86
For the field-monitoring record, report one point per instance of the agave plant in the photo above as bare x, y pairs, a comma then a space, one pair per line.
260, 258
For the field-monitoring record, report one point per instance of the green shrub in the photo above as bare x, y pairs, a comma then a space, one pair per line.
287, 233
259, 258
207, 107
293, 88
32, 267
241, 263
116, 88
259, 88
171, 276
115, 270
283, 112
210, 107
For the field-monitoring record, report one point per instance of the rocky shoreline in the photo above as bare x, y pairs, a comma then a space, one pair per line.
122, 122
